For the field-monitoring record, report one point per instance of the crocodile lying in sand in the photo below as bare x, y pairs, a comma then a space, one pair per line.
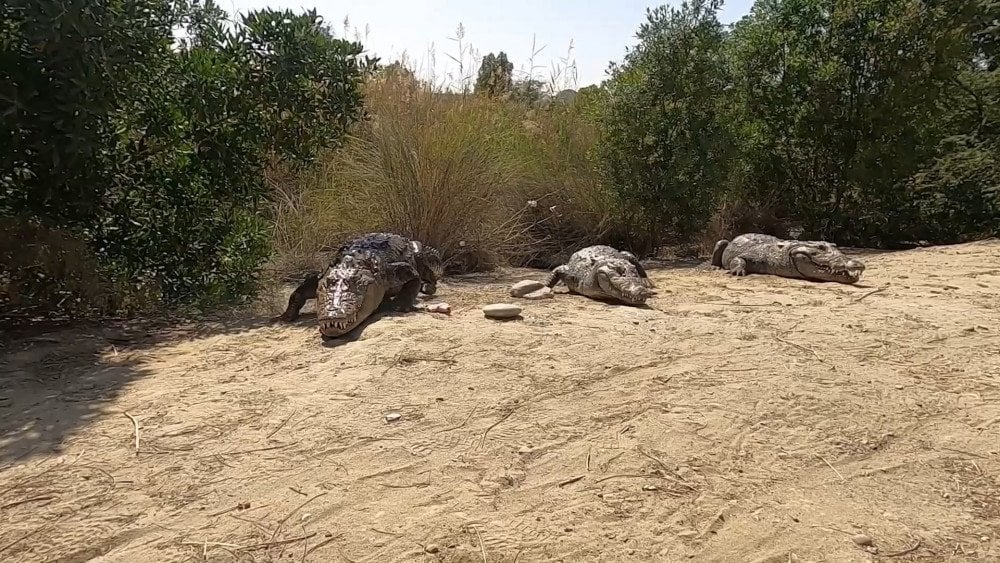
362, 274
602, 272
764, 254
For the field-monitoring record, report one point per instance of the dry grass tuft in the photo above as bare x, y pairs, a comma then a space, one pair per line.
487, 181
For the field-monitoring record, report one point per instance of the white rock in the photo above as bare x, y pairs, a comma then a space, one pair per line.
544, 293
501, 311
392, 416
522, 288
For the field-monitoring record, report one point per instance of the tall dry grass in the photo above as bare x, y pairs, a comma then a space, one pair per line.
489, 182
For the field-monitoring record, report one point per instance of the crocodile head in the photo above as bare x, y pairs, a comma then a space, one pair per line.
619, 280
823, 261
430, 266
348, 293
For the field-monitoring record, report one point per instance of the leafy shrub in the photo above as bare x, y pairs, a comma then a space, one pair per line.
154, 153
663, 148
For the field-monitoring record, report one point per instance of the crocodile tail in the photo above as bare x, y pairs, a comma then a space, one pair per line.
720, 247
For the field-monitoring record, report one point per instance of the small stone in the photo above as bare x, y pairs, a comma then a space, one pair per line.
442, 308
862, 539
392, 416
524, 450
522, 288
985, 538
544, 293
432, 548
687, 533
501, 311
650, 488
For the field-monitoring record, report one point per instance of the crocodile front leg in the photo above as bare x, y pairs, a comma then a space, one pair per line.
638, 267
558, 275
297, 300
405, 275
738, 266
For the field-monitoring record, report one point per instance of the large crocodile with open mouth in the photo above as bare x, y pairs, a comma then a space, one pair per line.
755, 253
362, 274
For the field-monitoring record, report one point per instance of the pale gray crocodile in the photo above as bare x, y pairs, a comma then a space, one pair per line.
604, 273
362, 274
755, 253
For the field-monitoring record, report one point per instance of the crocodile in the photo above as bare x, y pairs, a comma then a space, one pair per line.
363, 273
755, 253
604, 273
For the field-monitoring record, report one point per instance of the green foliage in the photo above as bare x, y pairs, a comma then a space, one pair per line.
154, 153
663, 147
496, 75
838, 104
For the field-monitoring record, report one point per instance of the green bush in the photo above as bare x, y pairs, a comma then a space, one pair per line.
154, 153
663, 148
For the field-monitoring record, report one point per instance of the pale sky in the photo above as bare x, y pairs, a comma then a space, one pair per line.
599, 31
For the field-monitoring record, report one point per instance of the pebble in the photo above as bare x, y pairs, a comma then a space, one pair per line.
501, 311
862, 539
544, 293
443, 308
687, 533
432, 548
522, 288
392, 416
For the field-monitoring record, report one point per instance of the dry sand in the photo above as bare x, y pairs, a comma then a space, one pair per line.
738, 419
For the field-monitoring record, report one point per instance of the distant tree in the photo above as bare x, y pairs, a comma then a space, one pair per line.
528, 90
496, 75
663, 149
839, 104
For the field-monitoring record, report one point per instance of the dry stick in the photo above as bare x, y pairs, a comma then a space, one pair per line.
665, 468
626, 476
804, 349
282, 425
276, 543
135, 425
870, 293
464, 422
571, 481
494, 425
317, 546
823, 459
27, 500
297, 508
906, 551
482, 546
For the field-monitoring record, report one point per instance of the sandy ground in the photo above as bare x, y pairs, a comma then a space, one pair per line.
738, 419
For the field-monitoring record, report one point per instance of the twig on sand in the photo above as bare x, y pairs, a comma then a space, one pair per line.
823, 459
482, 546
26, 501
805, 349
253, 547
464, 422
494, 425
297, 508
282, 425
906, 551
571, 480
135, 426
660, 463
869, 294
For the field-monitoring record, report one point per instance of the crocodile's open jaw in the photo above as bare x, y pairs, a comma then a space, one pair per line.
825, 262
345, 297
629, 289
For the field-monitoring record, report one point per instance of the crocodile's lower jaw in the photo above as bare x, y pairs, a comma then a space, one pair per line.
337, 327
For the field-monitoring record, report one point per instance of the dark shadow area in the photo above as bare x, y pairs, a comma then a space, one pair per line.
57, 378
